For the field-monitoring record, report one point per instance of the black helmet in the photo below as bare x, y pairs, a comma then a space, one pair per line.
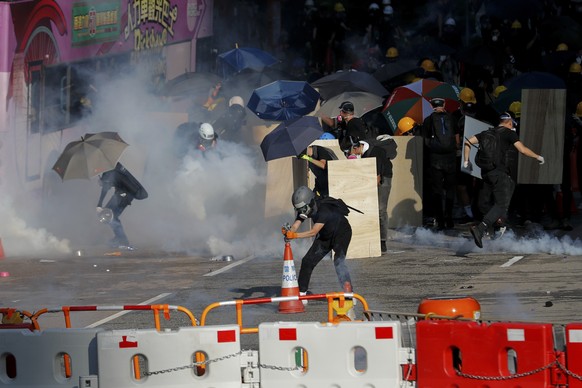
303, 200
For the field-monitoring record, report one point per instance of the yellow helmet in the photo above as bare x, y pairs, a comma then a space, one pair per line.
404, 125
392, 52
575, 68
515, 108
467, 95
579, 109
428, 65
498, 90
562, 47
339, 7
516, 24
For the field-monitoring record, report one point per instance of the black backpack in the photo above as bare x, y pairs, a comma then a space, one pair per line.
489, 154
339, 204
385, 142
442, 135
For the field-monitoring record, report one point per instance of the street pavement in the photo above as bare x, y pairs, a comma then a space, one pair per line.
529, 276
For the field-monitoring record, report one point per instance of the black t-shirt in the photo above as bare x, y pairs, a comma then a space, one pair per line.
334, 223
507, 138
321, 180
383, 163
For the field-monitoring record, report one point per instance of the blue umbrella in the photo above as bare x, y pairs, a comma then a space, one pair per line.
291, 137
283, 100
247, 58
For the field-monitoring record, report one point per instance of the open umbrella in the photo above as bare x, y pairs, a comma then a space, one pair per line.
291, 137
247, 58
394, 69
363, 103
244, 82
283, 100
529, 80
94, 154
348, 81
190, 83
413, 100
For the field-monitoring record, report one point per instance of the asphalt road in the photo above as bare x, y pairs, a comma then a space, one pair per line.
527, 278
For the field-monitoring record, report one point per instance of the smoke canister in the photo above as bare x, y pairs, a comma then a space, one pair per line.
451, 306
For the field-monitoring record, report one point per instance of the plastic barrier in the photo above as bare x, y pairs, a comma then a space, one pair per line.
574, 353
473, 354
349, 354
168, 356
49, 358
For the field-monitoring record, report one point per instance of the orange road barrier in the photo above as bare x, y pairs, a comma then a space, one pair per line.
343, 297
156, 308
289, 285
15, 319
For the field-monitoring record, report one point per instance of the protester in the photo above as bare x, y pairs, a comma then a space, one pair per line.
317, 157
331, 229
498, 185
127, 188
228, 126
347, 125
441, 138
207, 139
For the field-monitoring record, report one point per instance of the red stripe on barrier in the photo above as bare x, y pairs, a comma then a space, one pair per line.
226, 336
82, 308
137, 307
384, 333
124, 344
287, 334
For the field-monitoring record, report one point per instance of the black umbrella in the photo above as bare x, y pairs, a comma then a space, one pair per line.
348, 81
529, 80
395, 69
191, 83
283, 100
291, 137
94, 154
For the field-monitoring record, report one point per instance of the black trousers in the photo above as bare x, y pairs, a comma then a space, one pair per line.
318, 250
495, 196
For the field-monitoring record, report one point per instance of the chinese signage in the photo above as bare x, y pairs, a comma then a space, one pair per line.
95, 23
151, 22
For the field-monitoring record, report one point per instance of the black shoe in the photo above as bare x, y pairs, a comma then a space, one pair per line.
383, 247
477, 232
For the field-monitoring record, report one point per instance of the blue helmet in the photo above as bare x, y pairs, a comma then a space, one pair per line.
327, 136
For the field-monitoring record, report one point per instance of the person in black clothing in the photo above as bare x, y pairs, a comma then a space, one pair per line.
347, 125
228, 126
317, 157
127, 188
332, 231
441, 138
498, 184
363, 149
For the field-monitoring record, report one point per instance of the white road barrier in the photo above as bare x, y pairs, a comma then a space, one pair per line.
166, 358
350, 354
50, 358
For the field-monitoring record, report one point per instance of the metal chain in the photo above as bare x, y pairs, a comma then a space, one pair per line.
226, 357
568, 372
515, 376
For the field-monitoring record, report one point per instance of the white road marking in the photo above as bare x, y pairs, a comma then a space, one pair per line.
121, 313
511, 261
224, 269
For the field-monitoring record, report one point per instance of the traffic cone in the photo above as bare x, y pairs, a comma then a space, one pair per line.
290, 286
1, 250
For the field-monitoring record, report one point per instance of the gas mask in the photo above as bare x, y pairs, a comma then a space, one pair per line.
305, 211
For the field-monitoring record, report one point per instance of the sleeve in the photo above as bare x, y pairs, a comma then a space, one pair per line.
106, 185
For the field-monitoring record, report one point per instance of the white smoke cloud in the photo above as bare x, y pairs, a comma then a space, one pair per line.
18, 238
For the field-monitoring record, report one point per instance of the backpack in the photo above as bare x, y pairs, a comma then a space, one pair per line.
442, 135
387, 143
339, 204
489, 155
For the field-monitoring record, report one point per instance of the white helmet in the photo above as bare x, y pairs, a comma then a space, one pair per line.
388, 10
236, 100
206, 131
450, 22
373, 6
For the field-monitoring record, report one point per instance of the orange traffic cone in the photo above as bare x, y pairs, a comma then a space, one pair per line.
290, 286
1, 250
